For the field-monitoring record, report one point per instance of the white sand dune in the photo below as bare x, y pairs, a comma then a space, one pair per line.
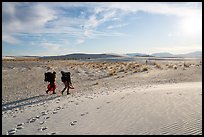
155, 109
163, 97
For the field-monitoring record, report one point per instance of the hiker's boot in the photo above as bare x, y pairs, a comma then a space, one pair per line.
63, 91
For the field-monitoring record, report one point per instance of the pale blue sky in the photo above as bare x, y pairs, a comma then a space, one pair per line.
53, 28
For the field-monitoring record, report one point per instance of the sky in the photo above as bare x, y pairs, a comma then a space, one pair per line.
58, 28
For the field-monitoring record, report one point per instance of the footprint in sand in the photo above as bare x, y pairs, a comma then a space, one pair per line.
47, 117
57, 101
31, 120
19, 126
37, 117
122, 97
53, 133
42, 128
82, 114
12, 131
42, 122
73, 123
58, 108
54, 112
108, 102
44, 113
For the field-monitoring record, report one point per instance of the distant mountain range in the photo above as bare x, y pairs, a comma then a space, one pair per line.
163, 54
196, 54
138, 55
77, 56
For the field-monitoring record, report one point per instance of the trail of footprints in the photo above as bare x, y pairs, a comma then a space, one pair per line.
43, 116
14, 130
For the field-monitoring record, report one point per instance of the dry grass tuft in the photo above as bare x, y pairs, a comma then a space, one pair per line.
157, 65
175, 67
186, 65
112, 73
144, 68
170, 65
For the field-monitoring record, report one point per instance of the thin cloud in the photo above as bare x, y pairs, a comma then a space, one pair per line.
51, 21
80, 41
178, 9
50, 46
117, 26
179, 49
10, 39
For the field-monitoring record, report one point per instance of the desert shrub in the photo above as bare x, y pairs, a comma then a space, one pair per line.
112, 72
121, 70
137, 65
96, 83
144, 69
170, 66
186, 65
48, 68
157, 65
126, 71
135, 71
175, 67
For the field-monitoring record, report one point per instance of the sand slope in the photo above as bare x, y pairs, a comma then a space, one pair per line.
162, 97
156, 109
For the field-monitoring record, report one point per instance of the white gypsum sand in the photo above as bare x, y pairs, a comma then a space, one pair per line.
157, 101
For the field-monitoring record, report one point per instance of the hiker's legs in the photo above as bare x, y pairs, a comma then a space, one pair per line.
47, 91
69, 79
70, 83
63, 90
49, 88
65, 84
52, 85
68, 88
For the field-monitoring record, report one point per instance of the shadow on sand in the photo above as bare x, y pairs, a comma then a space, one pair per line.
27, 101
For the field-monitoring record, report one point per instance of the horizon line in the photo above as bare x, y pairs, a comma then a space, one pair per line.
99, 53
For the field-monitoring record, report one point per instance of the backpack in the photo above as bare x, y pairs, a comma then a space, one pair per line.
48, 76
65, 76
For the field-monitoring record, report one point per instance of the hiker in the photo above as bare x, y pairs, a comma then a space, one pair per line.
66, 79
51, 77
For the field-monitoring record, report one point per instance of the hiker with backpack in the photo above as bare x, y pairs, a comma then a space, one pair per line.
66, 79
51, 77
